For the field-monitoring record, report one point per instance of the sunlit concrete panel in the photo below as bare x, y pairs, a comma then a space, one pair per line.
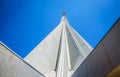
13, 66
104, 57
44, 56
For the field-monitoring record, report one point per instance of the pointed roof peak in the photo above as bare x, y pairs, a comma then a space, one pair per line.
64, 17
63, 46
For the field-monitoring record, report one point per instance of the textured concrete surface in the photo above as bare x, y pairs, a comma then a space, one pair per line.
13, 66
104, 57
60, 53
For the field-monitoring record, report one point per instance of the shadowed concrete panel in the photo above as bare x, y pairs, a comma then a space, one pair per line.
74, 53
92, 66
13, 66
112, 44
78, 47
104, 57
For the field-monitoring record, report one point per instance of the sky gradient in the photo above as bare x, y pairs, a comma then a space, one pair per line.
25, 23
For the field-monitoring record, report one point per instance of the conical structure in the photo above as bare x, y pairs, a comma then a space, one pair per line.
60, 53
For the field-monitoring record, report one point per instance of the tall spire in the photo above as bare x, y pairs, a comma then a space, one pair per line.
61, 52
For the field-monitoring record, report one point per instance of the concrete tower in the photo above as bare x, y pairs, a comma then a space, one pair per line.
60, 53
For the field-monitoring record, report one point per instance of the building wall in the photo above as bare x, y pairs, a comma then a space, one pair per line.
104, 57
13, 66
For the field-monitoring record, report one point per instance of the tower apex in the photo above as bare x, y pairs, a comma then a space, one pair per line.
64, 14
64, 17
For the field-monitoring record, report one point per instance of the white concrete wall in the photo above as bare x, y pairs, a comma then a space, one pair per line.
44, 56
104, 57
13, 66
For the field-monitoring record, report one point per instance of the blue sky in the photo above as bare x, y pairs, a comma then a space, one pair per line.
25, 23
